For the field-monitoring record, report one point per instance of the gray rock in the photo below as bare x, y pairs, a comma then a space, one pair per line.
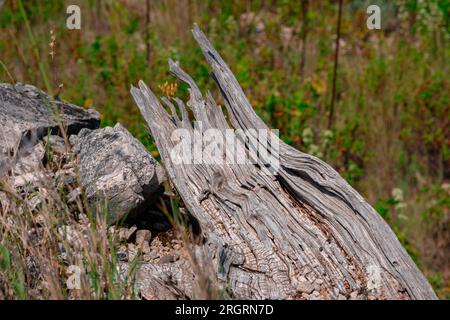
113, 165
27, 114
130, 232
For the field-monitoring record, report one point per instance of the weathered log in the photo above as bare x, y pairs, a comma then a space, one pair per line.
303, 233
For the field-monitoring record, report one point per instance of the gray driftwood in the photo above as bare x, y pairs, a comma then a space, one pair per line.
27, 114
115, 167
304, 233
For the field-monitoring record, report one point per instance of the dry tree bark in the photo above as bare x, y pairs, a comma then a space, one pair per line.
302, 233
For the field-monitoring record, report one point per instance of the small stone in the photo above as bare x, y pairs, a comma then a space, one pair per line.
122, 256
341, 297
353, 295
123, 234
130, 232
143, 236
169, 258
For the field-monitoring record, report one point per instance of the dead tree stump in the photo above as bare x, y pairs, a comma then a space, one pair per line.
302, 233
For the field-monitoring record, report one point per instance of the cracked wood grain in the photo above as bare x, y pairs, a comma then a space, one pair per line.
303, 233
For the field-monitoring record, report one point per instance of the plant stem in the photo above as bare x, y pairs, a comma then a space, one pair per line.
147, 33
336, 61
